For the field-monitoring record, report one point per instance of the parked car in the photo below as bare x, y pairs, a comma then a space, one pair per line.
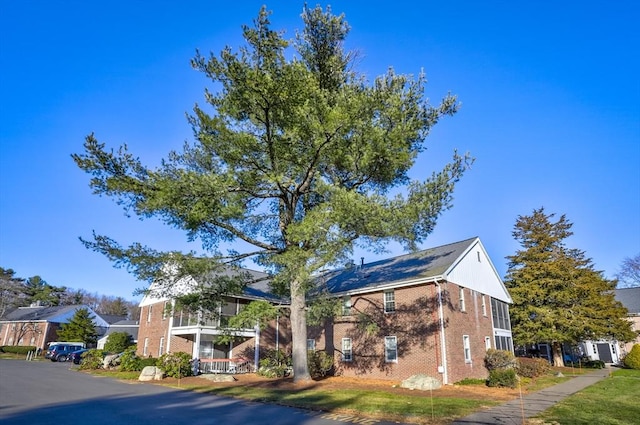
76, 356
60, 352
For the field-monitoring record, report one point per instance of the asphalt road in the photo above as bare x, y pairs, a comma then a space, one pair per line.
43, 392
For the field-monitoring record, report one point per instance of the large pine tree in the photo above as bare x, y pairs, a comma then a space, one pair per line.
557, 295
81, 328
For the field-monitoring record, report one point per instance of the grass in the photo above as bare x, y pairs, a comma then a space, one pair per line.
614, 401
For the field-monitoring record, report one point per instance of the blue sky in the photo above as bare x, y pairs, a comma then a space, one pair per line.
550, 95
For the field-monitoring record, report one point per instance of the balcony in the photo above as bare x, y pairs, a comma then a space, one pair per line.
226, 366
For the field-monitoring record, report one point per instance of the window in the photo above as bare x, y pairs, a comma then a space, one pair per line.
390, 349
500, 314
145, 347
479, 258
346, 306
161, 349
461, 294
504, 343
484, 306
487, 342
311, 345
389, 301
149, 314
467, 348
164, 310
347, 354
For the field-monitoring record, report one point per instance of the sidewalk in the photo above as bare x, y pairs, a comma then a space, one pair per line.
511, 412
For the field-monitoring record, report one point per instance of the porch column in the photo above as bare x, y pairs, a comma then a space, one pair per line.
256, 354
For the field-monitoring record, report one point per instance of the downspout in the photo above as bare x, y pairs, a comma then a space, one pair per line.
256, 352
170, 327
443, 347
277, 331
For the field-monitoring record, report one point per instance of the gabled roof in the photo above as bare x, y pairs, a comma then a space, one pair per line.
40, 313
630, 298
464, 263
430, 263
129, 326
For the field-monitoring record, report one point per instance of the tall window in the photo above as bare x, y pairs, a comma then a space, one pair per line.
145, 347
487, 342
164, 310
346, 305
389, 301
390, 349
484, 306
461, 296
347, 354
467, 348
311, 345
161, 349
149, 313
500, 314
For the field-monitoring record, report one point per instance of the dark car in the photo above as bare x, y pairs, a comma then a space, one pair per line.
60, 352
76, 356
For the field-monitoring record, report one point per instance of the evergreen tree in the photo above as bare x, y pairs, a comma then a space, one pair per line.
38, 291
81, 327
117, 342
557, 295
295, 158
11, 291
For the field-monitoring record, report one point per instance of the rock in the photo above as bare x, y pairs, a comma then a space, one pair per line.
559, 375
151, 373
218, 377
111, 360
421, 382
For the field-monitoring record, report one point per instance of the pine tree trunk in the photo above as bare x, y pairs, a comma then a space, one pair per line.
556, 350
299, 334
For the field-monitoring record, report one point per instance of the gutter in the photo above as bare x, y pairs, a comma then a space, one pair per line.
443, 348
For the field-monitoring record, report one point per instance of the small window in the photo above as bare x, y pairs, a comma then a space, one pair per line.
484, 306
311, 345
467, 348
390, 349
145, 347
165, 310
346, 306
487, 342
347, 354
149, 313
161, 348
389, 301
462, 304
479, 258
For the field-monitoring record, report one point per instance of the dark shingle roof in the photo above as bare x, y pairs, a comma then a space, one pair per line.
24, 314
432, 262
630, 298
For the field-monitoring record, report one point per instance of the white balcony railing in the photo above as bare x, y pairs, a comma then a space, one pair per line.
231, 366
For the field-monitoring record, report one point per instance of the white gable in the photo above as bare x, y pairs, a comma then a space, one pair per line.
474, 270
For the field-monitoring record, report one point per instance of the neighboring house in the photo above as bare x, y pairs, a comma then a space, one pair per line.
128, 326
435, 311
165, 328
630, 298
38, 325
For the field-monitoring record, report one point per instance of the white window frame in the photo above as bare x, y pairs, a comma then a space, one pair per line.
145, 347
484, 306
389, 299
346, 305
463, 306
164, 310
161, 347
391, 345
311, 344
347, 350
487, 342
466, 344
149, 312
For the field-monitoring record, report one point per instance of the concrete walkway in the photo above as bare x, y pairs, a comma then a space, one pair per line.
511, 413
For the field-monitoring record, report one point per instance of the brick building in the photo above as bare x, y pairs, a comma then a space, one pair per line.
435, 311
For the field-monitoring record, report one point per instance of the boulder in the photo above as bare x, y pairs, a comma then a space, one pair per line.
218, 377
151, 373
111, 360
421, 382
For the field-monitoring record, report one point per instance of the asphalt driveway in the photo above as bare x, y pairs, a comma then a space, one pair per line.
43, 392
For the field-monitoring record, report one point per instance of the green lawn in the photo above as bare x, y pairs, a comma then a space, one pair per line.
614, 401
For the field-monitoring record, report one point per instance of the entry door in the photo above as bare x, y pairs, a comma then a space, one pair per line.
604, 353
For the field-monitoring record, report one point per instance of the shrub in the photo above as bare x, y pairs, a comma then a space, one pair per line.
532, 368
17, 349
92, 360
117, 342
594, 364
632, 360
472, 381
502, 378
175, 365
319, 363
129, 361
275, 364
499, 359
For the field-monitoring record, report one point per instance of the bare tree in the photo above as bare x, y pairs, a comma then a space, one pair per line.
629, 274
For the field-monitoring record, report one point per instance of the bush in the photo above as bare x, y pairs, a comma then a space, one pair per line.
175, 365
532, 368
129, 361
472, 381
17, 349
499, 359
319, 363
92, 360
275, 364
118, 342
502, 378
632, 360
594, 364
